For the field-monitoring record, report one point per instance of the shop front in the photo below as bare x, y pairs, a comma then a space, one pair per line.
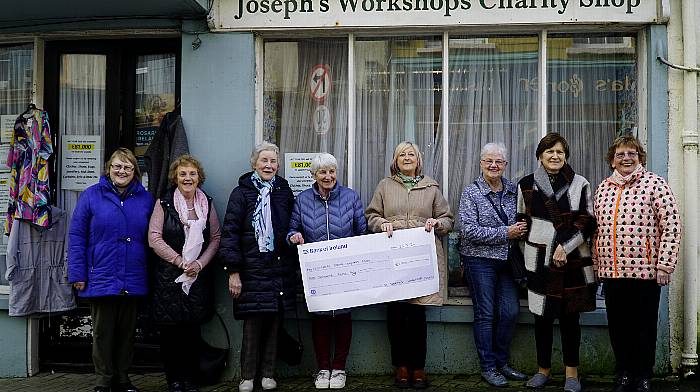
353, 78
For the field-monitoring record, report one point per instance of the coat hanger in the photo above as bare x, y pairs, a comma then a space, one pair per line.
30, 108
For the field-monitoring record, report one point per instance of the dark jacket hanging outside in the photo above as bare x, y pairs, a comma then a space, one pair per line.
169, 143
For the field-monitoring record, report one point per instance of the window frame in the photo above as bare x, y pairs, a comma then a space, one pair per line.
542, 32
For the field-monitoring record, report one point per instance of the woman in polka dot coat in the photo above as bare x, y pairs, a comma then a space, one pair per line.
635, 253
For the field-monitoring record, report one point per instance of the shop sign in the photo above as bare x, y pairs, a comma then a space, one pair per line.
81, 162
297, 170
300, 14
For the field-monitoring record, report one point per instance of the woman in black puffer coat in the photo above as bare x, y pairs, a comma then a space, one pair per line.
184, 232
260, 263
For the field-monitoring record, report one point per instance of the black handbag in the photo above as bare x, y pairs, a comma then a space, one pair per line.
290, 350
212, 360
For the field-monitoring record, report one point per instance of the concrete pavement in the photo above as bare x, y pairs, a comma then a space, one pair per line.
155, 382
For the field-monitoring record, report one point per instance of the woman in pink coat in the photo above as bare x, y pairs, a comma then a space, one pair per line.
636, 251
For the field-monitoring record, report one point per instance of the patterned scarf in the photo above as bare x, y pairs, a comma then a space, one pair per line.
408, 181
262, 217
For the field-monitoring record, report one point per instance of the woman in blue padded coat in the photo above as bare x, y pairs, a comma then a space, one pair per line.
107, 264
328, 211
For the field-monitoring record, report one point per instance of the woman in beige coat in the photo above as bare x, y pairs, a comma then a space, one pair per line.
406, 200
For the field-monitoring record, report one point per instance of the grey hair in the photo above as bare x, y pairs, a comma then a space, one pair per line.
321, 161
264, 146
494, 148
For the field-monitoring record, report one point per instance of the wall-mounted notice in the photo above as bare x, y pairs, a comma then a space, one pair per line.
81, 162
4, 151
296, 170
7, 127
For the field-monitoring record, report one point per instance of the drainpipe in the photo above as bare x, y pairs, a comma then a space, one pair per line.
690, 160
689, 357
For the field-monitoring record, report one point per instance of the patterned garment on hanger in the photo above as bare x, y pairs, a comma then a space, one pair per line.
30, 149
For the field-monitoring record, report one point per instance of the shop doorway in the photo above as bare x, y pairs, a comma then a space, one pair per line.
114, 92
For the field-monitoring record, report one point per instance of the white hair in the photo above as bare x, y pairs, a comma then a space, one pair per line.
264, 146
494, 148
323, 160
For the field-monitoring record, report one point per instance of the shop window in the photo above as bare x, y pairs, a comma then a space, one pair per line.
398, 89
155, 96
16, 77
494, 94
493, 97
305, 103
592, 98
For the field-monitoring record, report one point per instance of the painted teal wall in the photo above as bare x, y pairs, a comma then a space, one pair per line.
13, 343
218, 95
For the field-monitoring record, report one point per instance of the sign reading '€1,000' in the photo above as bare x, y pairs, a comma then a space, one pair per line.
295, 14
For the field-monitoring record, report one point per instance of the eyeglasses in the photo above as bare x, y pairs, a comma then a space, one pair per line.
117, 167
497, 162
622, 155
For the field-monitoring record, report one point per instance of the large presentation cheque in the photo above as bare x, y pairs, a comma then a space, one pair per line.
369, 269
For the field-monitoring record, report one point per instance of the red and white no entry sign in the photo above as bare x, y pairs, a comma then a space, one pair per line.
320, 82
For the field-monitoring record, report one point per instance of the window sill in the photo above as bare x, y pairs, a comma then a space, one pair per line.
456, 310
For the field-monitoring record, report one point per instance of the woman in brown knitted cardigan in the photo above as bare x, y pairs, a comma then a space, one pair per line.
406, 200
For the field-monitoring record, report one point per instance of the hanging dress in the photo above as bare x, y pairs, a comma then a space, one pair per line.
30, 149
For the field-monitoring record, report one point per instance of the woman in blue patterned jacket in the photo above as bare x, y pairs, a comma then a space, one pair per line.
328, 211
487, 210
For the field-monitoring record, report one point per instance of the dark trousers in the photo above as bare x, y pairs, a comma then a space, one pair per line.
179, 350
570, 331
408, 334
113, 328
327, 330
495, 298
259, 346
633, 312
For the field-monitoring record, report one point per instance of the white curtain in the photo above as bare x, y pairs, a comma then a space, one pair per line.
398, 95
81, 106
592, 94
492, 99
289, 105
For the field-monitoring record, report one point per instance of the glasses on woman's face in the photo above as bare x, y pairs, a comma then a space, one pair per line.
625, 154
497, 162
118, 167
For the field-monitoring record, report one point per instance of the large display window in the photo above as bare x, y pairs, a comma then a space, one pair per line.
494, 90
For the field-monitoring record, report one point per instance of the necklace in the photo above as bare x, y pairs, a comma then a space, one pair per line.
190, 209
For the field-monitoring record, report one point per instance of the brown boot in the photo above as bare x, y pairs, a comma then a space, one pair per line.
401, 380
419, 379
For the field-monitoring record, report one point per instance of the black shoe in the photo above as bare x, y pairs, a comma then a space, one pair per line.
128, 387
623, 383
176, 386
102, 389
644, 385
192, 387
511, 373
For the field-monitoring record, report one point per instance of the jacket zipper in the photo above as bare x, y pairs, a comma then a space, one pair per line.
617, 206
648, 250
328, 236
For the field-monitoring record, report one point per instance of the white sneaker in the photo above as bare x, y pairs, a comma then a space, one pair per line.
268, 383
337, 379
322, 379
246, 386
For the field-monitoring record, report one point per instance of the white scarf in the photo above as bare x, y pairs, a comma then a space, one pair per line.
194, 232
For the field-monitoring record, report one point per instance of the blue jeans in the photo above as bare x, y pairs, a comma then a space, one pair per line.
495, 298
